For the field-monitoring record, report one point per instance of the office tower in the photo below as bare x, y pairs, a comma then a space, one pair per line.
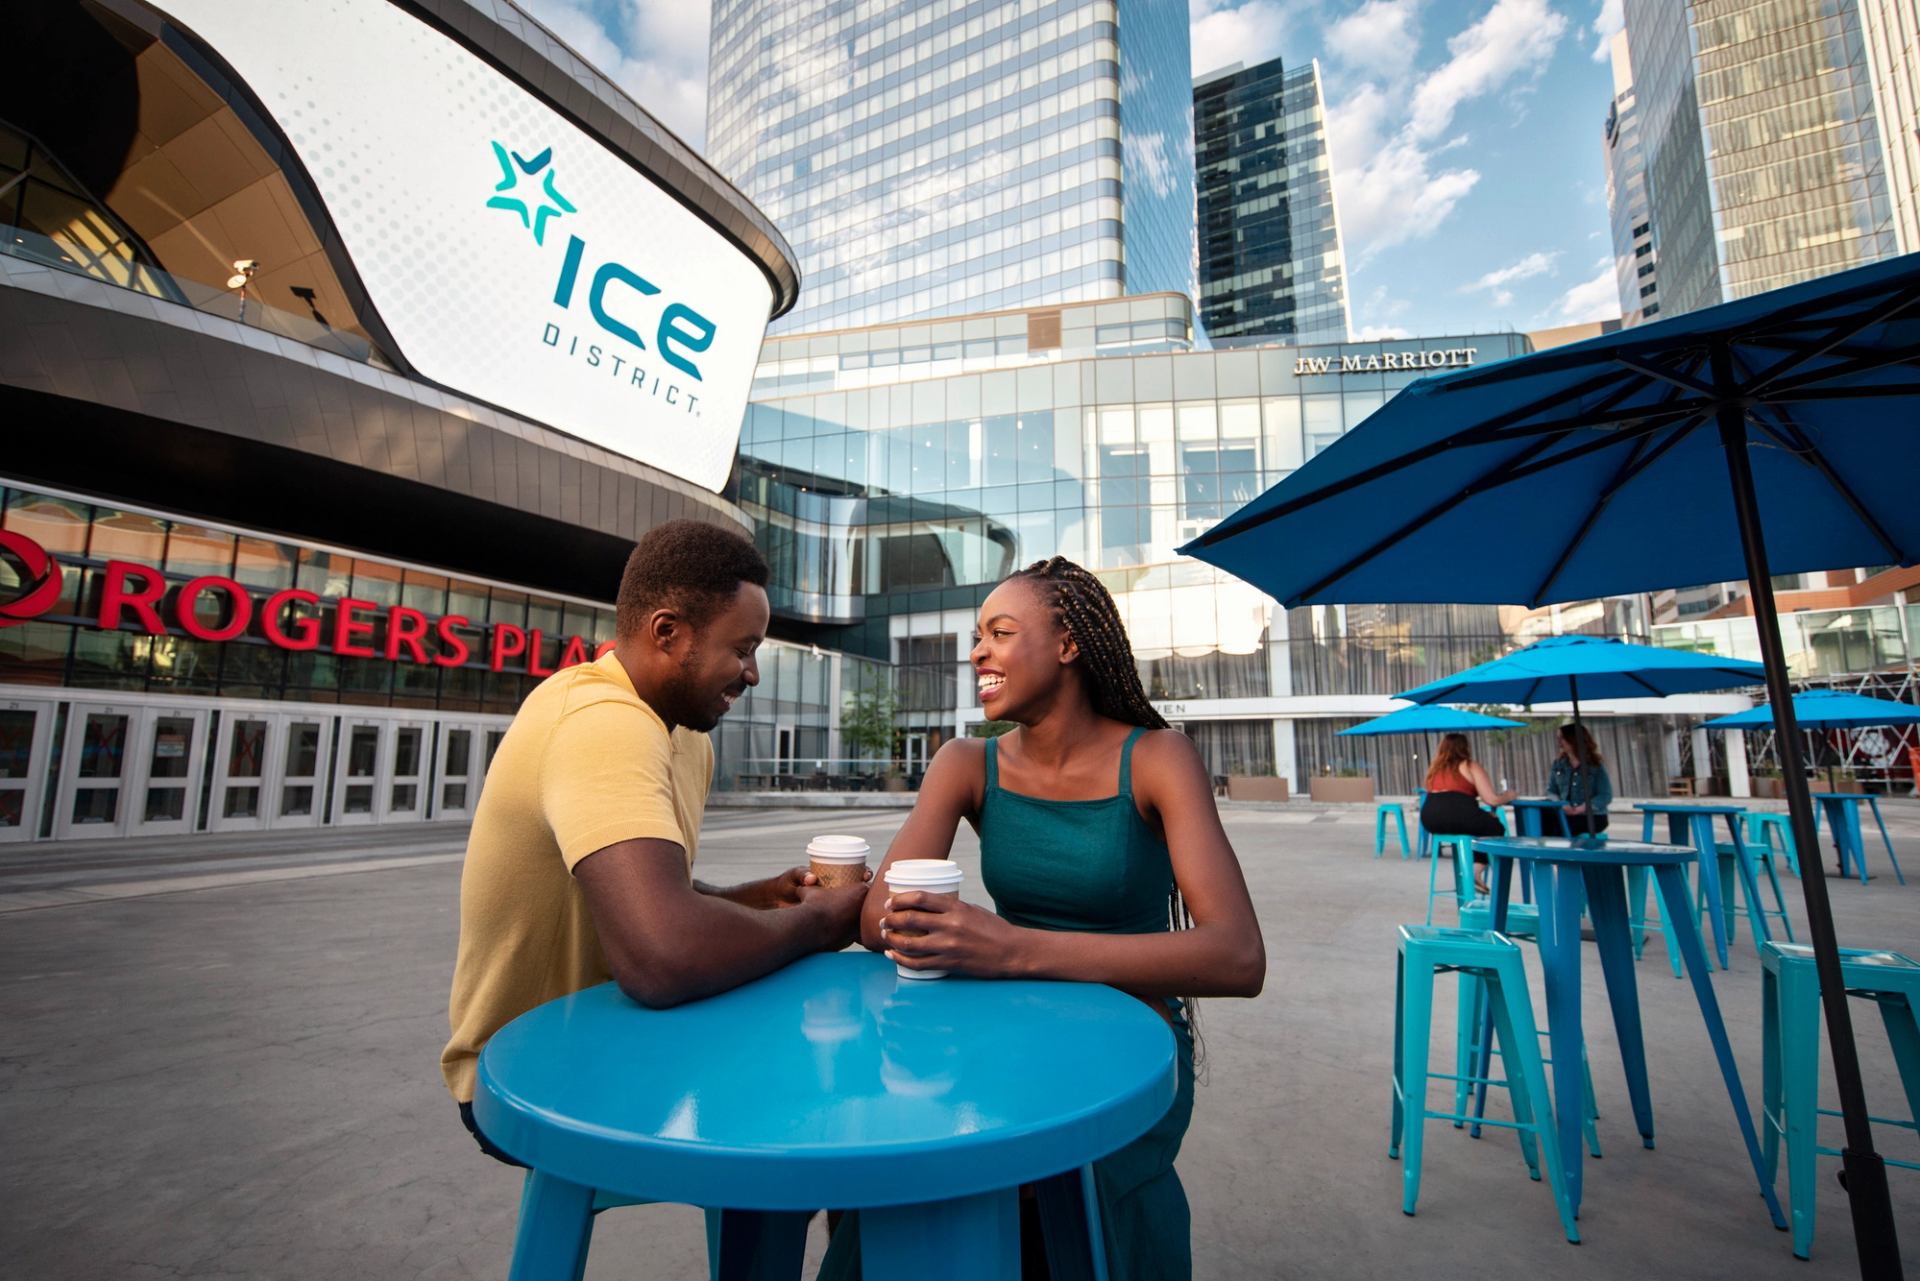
939, 159
1633, 255
1764, 161
1270, 259
1892, 32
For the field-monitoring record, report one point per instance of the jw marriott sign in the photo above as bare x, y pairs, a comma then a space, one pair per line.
1383, 362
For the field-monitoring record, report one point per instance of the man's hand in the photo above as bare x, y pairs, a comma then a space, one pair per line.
838, 910
783, 890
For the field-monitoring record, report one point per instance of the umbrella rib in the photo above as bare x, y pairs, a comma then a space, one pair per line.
1796, 395
1811, 455
1645, 454
1509, 471
1664, 375
1899, 301
1856, 363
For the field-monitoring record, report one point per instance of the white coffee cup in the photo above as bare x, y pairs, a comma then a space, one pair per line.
929, 876
838, 860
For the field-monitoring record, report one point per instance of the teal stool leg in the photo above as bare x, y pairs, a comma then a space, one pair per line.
1637, 909
1791, 846
1527, 1079
1903, 1030
1400, 825
1433, 883
1415, 1028
1379, 830
1772, 1089
759, 1245
1763, 856
556, 1224
1800, 1068
1466, 1041
978, 1236
1069, 1209
1399, 1124
1873, 802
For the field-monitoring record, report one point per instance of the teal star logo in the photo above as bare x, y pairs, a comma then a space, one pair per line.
551, 203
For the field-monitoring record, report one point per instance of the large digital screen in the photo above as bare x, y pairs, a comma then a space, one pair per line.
513, 258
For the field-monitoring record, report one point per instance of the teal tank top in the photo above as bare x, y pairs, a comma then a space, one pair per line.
1090, 866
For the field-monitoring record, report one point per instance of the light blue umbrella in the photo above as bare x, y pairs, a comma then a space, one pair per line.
1759, 437
1431, 720
1826, 709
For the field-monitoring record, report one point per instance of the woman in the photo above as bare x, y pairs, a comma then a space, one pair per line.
1457, 786
1104, 854
1583, 793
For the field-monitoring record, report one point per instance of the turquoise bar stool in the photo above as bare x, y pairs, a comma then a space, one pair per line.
1790, 1058
1494, 960
1774, 830
1420, 837
1523, 926
1758, 913
1458, 853
1380, 813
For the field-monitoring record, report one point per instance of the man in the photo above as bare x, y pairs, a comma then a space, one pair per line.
579, 865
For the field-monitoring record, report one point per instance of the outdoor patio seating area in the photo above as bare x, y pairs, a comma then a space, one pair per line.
239, 1079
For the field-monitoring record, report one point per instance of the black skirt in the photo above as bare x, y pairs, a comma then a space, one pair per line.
1457, 814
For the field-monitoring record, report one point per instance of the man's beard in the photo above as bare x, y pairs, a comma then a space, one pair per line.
691, 706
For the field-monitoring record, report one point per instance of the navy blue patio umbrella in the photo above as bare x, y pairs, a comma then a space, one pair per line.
1774, 434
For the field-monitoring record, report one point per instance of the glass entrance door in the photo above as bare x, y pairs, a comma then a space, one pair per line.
25, 728
407, 779
93, 772
356, 782
241, 765
457, 771
297, 786
171, 745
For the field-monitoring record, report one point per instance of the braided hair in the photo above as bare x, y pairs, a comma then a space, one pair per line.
1083, 607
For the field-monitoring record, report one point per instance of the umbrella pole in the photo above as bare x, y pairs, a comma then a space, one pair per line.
1579, 757
1864, 1172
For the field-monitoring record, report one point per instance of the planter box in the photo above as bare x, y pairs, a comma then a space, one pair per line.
1254, 787
1353, 791
1770, 789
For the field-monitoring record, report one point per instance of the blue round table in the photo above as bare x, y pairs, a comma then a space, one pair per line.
1693, 825
1590, 872
830, 1084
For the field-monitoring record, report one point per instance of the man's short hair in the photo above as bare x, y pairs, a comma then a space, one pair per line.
688, 566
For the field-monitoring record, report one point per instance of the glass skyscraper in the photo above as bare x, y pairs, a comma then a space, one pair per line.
1634, 270
1270, 259
942, 158
1764, 159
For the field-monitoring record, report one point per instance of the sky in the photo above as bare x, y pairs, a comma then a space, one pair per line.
1466, 138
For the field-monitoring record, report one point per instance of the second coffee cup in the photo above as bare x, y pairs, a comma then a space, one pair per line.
937, 876
837, 860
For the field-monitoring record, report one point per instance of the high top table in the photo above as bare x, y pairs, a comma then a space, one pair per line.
1531, 814
1693, 825
1568, 873
1842, 813
925, 1104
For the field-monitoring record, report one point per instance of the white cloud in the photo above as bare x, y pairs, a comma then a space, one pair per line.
1610, 21
1595, 299
1248, 33
1495, 282
669, 80
1381, 38
1377, 333
1514, 39
1386, 137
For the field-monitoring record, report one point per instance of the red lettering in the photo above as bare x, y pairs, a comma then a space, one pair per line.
306, 628
119, 592
406, 627
186, 608
508, 641
604, 648
347, 630
534, 645
454, 649
576, 652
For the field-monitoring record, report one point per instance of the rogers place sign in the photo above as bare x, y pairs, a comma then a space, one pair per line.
140, 597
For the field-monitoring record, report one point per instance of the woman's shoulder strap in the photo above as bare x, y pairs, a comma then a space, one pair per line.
993, 763
1126, 760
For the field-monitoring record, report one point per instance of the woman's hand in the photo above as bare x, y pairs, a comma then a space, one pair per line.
1575, 811
934, 932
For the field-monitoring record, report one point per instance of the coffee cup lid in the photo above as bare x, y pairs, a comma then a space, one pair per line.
838, 849
924, 871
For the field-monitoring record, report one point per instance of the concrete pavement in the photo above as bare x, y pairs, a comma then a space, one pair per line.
220, 1061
